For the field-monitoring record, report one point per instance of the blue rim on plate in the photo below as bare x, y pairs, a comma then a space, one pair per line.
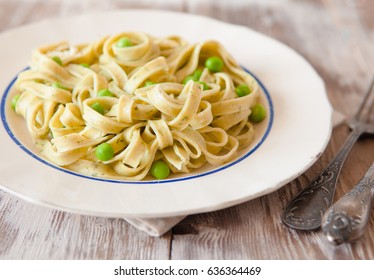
251, 151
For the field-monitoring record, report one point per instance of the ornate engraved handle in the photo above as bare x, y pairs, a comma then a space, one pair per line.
305, 211
345, 221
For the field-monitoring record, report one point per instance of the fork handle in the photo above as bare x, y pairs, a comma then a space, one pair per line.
345, 221
305, 211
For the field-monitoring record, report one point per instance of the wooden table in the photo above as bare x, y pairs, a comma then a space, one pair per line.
336, 37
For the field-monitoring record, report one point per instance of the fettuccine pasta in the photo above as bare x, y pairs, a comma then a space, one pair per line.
114, 107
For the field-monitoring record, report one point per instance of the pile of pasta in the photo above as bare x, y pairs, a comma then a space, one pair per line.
184, 124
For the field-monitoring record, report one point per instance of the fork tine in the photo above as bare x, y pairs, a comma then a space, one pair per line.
364, 100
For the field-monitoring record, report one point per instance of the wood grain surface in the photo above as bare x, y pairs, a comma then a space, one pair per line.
336, 37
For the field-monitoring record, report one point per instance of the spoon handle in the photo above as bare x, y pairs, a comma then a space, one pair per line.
345, 221
305, 211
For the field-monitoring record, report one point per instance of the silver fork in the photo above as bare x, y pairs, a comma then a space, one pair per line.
305, 211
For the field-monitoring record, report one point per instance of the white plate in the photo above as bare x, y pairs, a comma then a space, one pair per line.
295, 134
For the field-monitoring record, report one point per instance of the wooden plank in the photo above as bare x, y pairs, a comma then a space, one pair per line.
33, 232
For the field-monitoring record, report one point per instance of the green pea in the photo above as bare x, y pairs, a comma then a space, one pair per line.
98, 108
205, 86
105, 92
195, 77
242, 90
185, 80
14, 101
124, 42
104, 152
197, 74
86, 65
57, 60
149, 83
214, 64
258, 113
58, 85
160, 170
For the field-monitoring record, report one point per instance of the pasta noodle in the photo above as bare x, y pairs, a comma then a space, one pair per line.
150, 111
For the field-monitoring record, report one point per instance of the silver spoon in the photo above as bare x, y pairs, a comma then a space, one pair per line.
346, 220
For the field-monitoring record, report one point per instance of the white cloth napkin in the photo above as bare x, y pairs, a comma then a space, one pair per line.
159, 226
156, 226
